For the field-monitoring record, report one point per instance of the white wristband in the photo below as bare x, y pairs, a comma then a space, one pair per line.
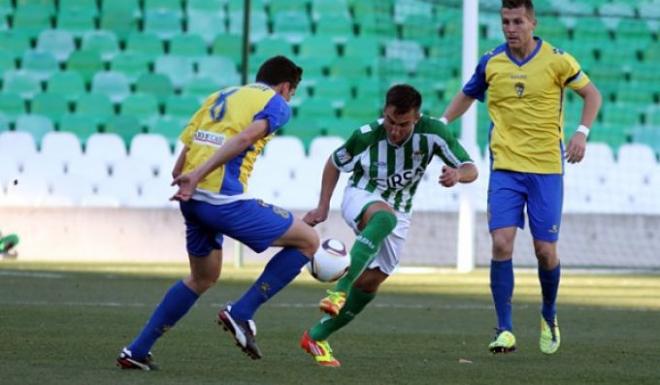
444, 121
583, 129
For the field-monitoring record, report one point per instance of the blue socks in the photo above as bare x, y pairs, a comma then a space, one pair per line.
279, 271
549, 286
501, 286
176, 303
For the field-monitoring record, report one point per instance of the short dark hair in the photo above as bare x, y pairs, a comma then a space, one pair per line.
404, 98
279, 69
512, 4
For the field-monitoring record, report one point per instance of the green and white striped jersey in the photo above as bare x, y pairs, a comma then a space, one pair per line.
395, 171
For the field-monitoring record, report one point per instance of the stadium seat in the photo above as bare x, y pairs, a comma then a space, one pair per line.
39, 65
170, 128
163, 23
14, 43
108, 147
122, 22
201, 87
181, 106
131, 64
272, 46
362, 109
131, 171
154, 193
649, 135
191, 46
208, 25
154, 151
322, 147
86, 6
30, 19
315, 108
158, 85
305, 130
18, 145
336, 90
313, 66
11, 105
36, 125
179, 69
6, 8
143, 107
633, 157
206, 6
42, 167
284, 152
60, 147
76, 21
104, 43
119, 190
124, 126
4, 122
228, 45
258, 24
58, 43
362, 47
51, 105
68, 84
409, 52
221, 69
113, 84
320, 47
420, 28
293, 25
81, 126
68, 190
91, 169
352, 69
86, 63
145, 44
27, 192
336, 26
20, 83
97, 107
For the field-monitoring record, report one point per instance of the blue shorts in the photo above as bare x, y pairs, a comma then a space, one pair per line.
252, 222
543, 194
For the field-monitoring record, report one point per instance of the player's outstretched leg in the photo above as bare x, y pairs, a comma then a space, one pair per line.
501, 286
355, 302
243, 332
550, 338
367, 243
319, 350
126, 361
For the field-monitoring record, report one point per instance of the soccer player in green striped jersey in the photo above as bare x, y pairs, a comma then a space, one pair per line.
387, 159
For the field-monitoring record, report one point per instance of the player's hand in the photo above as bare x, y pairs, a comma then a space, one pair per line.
187, 183
316, 216
577, 147
449, 176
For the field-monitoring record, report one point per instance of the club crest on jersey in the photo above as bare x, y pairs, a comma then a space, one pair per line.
343, 156
520, 89
209, 138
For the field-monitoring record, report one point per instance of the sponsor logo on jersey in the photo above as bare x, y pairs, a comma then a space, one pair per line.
343, 156
209, 138
401, 179
520, 89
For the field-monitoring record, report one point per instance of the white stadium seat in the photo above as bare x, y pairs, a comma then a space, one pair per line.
69, 188
123, 192
28, 191
106, 147
153, 150
18, 145
132, 171
92, 169
60, 147
154, 193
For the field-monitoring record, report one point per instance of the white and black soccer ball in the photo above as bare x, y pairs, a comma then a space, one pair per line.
330, 262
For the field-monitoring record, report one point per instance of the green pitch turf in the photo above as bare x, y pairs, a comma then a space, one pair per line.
65, 324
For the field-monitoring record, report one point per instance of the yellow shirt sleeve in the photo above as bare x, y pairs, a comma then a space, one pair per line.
571, 75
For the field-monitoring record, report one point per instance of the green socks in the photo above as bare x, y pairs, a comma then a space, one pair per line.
356, 301
366, 245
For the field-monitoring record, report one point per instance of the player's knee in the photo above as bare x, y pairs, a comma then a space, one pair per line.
204, 282
385, 220
546, 256
502, 247
310, 242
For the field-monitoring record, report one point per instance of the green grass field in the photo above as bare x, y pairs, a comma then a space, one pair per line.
65, 324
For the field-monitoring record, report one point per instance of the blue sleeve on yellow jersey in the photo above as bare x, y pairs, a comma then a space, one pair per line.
477, 86
277, 112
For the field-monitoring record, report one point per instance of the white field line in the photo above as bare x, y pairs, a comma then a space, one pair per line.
30, 274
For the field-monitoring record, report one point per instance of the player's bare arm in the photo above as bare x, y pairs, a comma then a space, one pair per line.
328, 184
234, 146
178, 165
465, 173
457, 107
578, 143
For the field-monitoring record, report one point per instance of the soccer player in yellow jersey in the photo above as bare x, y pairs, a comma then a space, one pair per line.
523, 83
221, 143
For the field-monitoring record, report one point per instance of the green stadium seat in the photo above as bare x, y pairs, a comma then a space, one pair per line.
435, 70
202, 87
7, 62
158, 85
77, 21
293, 25
50, 105
652, 116
352, 69
6, 8
145, 44
237, 5
58, 43
643, 72
591, 27
206, 6
14, 43
228, 45
606, 72
652, 52
88, 6
636, 92
343, 128
617, 54
164, 5
329, 8
179, 69
221, 69
313, 66
362, 110
86, 63
572, 114
391, 69
447, 47
68, 84
258, 24
369, 89
124, 126
30, 19
36, 125
170, 128
363, 47
620, 114
421, 28
409, 52
97, 107
287, 6
12, 105
315, 108
163, 23
334, 89
273, 46
335, 26
121, 22
318, 46
105, 43
633, 31
20, 83
121, 7
81, 125
376, 25
369, 9
113, 84
182, 107
4, 123
191, 46
143, 107
131, 64
403, 9
46, 5
208, 25
649, 135
39, 65
304, 129
613, 134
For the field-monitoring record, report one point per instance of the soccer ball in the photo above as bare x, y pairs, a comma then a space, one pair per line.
330, 262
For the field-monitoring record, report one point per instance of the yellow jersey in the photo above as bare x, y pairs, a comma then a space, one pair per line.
525, 104
223, 115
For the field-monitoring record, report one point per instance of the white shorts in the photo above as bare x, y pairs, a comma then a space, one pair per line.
387, 257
